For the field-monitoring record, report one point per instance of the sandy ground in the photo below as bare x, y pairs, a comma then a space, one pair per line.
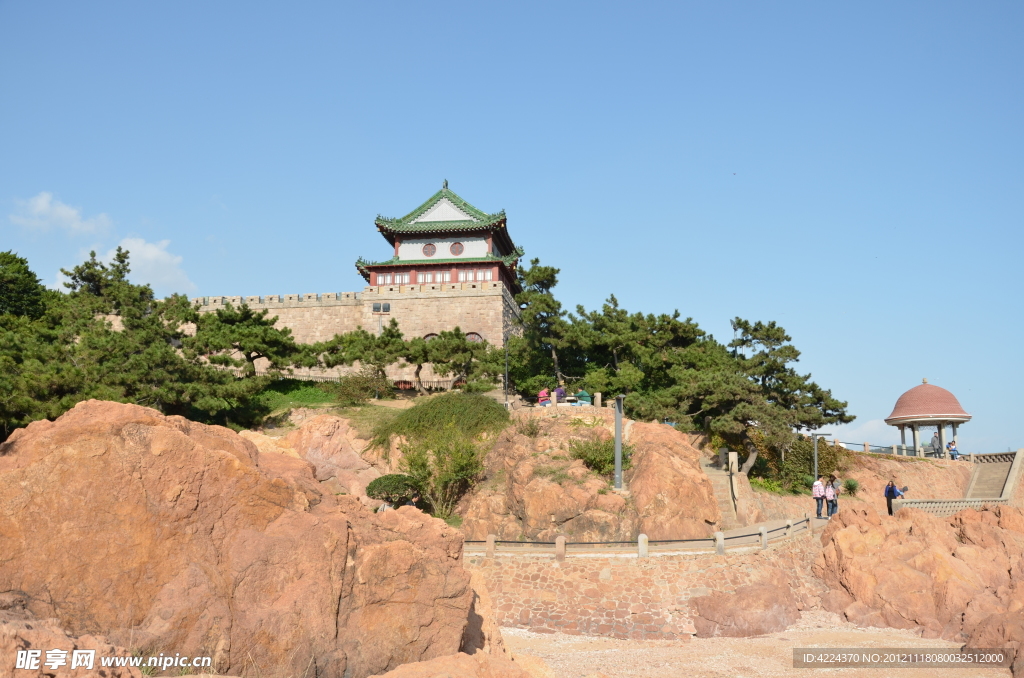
771, 655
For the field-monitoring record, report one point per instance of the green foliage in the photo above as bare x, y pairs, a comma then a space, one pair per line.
443, 465
109, 339
21, 292
528, 426
851, 486
232, 337
796, 471
292, 393
766, 484
377, 351
599, 455
393, 488
355, 389
468, 415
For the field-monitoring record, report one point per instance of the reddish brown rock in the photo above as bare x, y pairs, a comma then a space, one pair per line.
482, 633
752, 610
535, 491
1005, 631
118, 520
946, 576
460, 665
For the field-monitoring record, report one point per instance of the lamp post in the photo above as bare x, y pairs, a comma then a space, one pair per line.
618, 441
815, 436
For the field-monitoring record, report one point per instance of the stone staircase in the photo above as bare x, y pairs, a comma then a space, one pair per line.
723, 493
992, 483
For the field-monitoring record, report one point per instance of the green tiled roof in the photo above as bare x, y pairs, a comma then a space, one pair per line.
473, 212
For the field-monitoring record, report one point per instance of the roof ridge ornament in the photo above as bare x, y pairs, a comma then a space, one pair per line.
925, 380
444, 186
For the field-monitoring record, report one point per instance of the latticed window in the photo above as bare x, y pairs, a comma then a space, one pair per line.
424, 278
483, 275
456, 249
473, 336
429, 250
383, 278
465, 276
401, 278
444, 276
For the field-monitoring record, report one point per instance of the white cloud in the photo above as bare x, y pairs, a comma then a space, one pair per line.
44, 212
152, 264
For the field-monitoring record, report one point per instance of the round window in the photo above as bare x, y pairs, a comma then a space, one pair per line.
457, 248
429, 250
473, 336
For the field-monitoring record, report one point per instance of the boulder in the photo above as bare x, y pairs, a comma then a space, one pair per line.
752, 610
946, 576
480, 665
535, 491
482, 632
160, 532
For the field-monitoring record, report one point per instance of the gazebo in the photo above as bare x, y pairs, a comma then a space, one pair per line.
927, 405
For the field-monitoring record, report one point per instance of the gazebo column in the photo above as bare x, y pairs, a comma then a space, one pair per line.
903, 436
942, 439
917, 438
955, 441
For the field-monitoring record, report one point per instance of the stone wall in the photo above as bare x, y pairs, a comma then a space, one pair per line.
486, 308
630, 597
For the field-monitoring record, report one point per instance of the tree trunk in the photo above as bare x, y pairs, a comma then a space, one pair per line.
751, 455
554, 359
419, 384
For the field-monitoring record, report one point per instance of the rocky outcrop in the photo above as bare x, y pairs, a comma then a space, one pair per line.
956, 578
751, 611
482, 633
164, 533
20, 631
534, 490
460, 665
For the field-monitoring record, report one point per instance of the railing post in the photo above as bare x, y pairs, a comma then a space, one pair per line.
789, 527
490, 545
764, 537
720, 543
559, 548
641, 546
894, 450
867, 447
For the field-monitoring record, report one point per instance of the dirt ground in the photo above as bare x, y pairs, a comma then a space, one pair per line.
772, 655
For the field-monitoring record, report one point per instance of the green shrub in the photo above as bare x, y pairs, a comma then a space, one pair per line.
467, 414
290, 393
529, 427
599, 455
443, 466
355, 389
393, 488
851, 486
766, 484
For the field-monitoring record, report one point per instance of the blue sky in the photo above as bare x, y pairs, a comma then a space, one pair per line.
853, 172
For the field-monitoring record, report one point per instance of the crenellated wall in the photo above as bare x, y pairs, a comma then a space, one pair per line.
486, 308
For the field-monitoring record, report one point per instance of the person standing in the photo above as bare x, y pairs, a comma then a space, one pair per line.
830, 497
818, 492
891, 492
936, 445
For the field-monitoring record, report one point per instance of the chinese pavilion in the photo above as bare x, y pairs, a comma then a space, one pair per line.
445, 240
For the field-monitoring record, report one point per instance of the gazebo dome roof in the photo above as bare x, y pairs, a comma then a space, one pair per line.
927, 403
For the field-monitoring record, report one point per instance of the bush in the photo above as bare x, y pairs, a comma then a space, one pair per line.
766, 484
599, 455
393, 488
529, 427
355, 389
467, 414
851, 486
443, 466
291, 392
